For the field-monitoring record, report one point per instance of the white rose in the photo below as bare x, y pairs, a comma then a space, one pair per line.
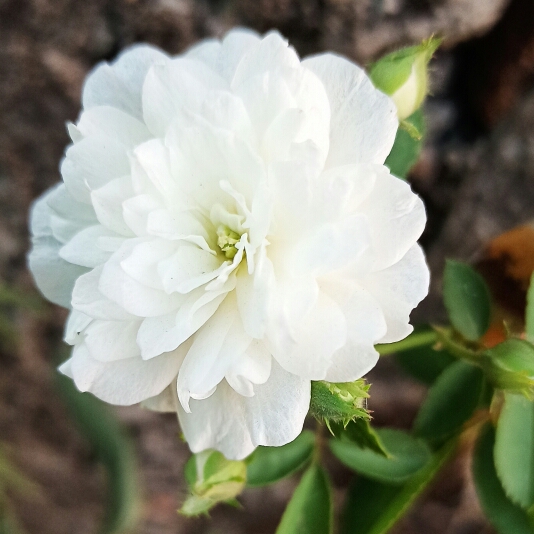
226, 232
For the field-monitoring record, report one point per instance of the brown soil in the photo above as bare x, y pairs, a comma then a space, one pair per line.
476, 175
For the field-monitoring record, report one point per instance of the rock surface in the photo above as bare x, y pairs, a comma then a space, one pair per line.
367, 28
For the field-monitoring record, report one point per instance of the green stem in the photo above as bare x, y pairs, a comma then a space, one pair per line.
401, 503
457, 348
413, 341
319, 442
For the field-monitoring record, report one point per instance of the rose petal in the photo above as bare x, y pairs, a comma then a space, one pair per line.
83, 248
119, 84
236, 425
398, 289
54, 276
364, 121
124, 382
109, 341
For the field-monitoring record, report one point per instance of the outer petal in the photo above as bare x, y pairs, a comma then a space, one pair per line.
235, 425
270, 53
92, 163
119, 84
363, 120
179, 84
54, 276
316, 338
83, 248
124, 382
109, 341
399, 289
396, 220
76, 323
87, 299
112, 122
223, 57
365, 326
164, 402
68, 216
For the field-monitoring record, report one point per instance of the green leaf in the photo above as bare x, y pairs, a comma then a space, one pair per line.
373, 507
270, 464
407, 455
514, 449
505, 516
450, 402
310, 509
467, 299
406, 148
424, 363
529, 313
366, 502
361, 433
111, 448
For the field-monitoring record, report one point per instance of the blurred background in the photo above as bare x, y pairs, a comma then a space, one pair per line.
475, 173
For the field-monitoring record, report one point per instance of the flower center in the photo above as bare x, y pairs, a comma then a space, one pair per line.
227, 240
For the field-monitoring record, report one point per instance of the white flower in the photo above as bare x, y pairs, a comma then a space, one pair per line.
226, 232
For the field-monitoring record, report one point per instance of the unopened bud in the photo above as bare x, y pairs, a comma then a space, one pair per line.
403, 75
212, 479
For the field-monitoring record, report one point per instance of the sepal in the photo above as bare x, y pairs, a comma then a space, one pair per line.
212, 479
339, 402
510, 366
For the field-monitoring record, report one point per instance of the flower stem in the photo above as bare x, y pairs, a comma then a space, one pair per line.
413, 341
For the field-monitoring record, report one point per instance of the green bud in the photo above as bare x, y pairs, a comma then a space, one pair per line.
510, 366
403, 75
339, 402
212, 479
